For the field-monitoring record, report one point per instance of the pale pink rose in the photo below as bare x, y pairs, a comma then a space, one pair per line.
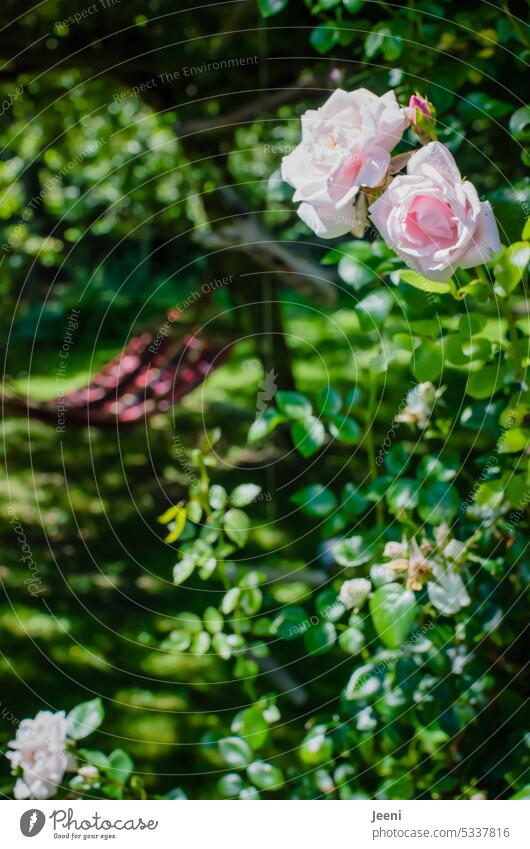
39, 750
433, 219
345, 144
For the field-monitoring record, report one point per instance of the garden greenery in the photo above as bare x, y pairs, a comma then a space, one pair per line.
323, 597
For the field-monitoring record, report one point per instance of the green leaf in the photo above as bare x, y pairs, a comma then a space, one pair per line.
438, 502
183, 569
511, 266
345, 430
375, 308
264, 424
213, 620
315, 500
514, 440
520, 125
251, 725
427, 364
351, 641
244, 494
94, 757
353, 502
419, 282
471, 323
85, 718
373, 43
230, 785
268, 8
236, 525
293, 405
308, 436
200, 643
230, 600
235, 752
486, 381
316, 748
329, 402
477, 103
177, 641
328, 606
353, 6
221, 646
354, 273
364, 684
217, 496
180, 521
319, 639
402, 496
393, 610
351, 552
265, 776
120, 766
291, 623
323, 38
188, 621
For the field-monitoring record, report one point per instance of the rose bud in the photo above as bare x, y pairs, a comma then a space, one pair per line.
422, 115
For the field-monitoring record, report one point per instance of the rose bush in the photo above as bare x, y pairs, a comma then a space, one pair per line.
432, 218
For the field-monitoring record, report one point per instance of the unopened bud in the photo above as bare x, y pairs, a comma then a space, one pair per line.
422, 115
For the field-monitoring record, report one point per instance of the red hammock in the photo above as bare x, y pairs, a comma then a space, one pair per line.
149, 376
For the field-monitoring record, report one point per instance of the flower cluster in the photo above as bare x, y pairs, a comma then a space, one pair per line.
39, 754
342, 172
437, 565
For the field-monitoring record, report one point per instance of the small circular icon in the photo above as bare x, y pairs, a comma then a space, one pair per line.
32, 822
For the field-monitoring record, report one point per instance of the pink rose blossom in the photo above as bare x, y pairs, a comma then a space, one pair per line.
433, 219
345, 144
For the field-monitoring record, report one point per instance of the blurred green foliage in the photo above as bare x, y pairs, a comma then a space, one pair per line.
106, 197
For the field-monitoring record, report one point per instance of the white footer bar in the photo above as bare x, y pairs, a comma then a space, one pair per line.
267, 824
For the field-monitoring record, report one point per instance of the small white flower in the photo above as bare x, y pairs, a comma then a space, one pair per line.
355, 592
420, 404
39, 750
89, 771
455, 549
447, 591
395, 549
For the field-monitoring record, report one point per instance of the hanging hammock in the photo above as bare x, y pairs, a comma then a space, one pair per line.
149, 376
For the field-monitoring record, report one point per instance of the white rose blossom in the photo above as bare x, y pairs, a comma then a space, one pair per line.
354, 593
345, 145
39, 750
